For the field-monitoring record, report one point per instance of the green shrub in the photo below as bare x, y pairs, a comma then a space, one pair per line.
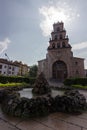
32, 80
16, 79
76, 81
13, 85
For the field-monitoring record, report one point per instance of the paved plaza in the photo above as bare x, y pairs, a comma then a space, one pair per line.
55, 121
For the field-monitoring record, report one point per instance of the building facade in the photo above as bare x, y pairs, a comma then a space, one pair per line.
11, 68
23, 68
60, 63
8, 68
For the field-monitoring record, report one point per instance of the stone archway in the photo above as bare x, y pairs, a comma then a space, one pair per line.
59, 70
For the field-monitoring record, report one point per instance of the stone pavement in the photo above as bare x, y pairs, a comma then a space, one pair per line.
56, 121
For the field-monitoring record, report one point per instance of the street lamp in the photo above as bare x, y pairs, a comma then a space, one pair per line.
7, 56
8, 63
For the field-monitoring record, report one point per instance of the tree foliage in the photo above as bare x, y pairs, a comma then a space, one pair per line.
33, 71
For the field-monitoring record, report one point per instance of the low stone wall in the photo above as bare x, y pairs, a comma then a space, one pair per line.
12, 104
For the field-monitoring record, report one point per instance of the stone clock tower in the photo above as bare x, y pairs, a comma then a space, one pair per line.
60, 63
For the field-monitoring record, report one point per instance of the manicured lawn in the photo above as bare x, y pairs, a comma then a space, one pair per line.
79, 86
14, 85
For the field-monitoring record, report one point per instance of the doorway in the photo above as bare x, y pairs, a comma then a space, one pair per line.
59, 70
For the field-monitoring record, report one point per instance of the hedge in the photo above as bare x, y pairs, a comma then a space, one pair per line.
76, 81
16, 79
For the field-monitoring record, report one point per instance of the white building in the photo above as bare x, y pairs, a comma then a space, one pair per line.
8, 68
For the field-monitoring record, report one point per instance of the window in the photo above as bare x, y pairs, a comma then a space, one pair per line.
63, 44
13, 68
4, 73
13, 73
9, 67
5, 66
58, 45
60, 36
58, 29
9, 72
55, 37
76, 63
0, 72
0, 66
53, 45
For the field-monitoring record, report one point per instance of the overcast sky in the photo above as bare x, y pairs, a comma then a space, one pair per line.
25, 27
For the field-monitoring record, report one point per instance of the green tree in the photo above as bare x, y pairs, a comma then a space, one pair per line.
33, 71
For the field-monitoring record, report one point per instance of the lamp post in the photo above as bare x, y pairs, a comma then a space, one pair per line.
7, 56
8, 63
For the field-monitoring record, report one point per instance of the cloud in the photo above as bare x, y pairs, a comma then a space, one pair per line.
54, 13
79, 46
4, 45
81, 51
